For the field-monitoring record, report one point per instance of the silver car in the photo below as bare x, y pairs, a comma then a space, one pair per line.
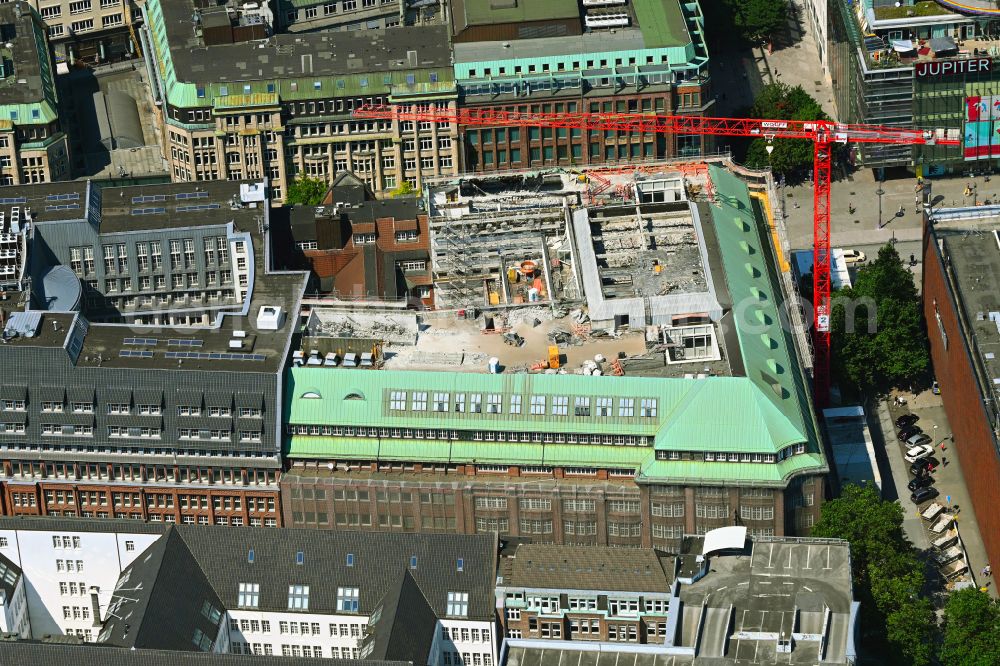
917, 440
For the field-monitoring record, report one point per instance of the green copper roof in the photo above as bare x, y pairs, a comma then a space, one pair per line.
485, 12
696, 471
760, 414
766, 347
662, 23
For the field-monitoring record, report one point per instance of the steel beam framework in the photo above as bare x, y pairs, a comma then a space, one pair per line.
823, 133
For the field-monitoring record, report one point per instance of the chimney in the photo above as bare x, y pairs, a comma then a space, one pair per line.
95, 606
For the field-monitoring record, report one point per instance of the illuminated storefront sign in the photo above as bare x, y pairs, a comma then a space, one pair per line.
932, 68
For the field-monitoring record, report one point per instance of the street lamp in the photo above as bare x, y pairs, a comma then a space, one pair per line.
879, 192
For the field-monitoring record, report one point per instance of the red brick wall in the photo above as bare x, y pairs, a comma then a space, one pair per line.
953, 368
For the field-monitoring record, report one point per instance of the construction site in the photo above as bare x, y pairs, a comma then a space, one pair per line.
557, 272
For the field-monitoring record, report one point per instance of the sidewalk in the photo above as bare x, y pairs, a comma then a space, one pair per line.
949, 479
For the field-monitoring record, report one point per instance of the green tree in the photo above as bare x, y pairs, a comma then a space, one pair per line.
778, 101
971, 629
307, 191
736, 24
897, 621
404, 189
878, 335
758, 20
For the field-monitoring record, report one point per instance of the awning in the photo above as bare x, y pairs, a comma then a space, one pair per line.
13, 392
250, 400
249, 424
80, 393
216, 399
724, 538
404, 225
188, 397
203, 423
70, 418
903, 46
131, 420
49, 393
146, 396
943, 44
118, 395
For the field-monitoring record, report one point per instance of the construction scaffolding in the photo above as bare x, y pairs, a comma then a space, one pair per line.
481, 241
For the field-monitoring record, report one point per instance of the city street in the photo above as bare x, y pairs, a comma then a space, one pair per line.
862, 228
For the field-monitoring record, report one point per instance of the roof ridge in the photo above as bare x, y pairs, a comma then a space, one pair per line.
162, 543
191, 552
682, 405
764, 404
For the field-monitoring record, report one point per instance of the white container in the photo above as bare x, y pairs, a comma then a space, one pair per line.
597, 373
494, 365
599, 358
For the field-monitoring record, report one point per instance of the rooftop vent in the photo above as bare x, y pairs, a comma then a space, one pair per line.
24, 324
270, 318
252, 192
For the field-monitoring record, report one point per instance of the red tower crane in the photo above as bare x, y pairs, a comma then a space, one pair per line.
823, 134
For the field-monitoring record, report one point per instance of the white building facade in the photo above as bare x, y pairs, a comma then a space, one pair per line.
64, 563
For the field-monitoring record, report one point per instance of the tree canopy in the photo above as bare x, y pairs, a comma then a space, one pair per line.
750, 22
897, 621
779, 101
404, 189
306, 191
971, 629
877, 329
758, 20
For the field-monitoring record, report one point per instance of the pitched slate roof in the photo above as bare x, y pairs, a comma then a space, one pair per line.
402, 626
160, 600
60, 524
378, 559
169, 595
10, 574
32, 653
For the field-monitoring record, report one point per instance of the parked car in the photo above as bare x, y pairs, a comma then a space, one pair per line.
916, 453
907, 433
922, 495
920, 482
920, 467
852, 257
906, 420
918, 439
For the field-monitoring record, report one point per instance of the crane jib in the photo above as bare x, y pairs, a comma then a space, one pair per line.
822, 133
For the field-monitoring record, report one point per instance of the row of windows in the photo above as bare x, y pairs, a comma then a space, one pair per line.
476, 436
723, 457
347, 601
145, 473
120, 408
465, 635
466, 659
538, 404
